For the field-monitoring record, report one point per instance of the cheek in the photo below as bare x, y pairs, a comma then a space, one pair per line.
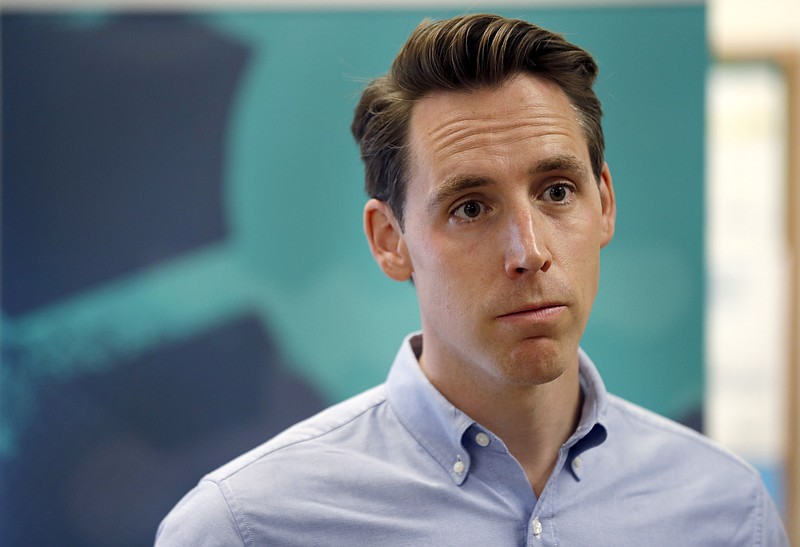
429, 262
439, 253
578, 251
584, 267
450, 278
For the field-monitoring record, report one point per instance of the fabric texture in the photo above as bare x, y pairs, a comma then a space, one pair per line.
400, 465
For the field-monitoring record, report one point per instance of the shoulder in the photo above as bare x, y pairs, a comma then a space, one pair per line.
220, 509
202, 517
349, 417
680, 462
690, 476
654, 433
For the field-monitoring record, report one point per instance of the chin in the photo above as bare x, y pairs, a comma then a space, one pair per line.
533, 376
537, 365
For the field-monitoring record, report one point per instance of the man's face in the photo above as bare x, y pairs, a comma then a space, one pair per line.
503, 227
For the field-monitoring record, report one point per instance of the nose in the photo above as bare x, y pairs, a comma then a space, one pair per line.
526, 247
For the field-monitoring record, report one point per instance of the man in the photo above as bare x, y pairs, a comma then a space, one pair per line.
484, 162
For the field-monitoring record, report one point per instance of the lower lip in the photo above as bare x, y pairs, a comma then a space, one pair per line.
539, 315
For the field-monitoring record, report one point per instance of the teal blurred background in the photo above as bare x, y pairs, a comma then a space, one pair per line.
184, 269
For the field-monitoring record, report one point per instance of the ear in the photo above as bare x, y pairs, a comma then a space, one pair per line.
608, 206
386, 240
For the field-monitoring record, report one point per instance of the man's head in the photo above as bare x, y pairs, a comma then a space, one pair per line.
464, 53
504, 204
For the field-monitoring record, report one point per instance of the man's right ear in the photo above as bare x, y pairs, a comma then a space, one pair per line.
386, 240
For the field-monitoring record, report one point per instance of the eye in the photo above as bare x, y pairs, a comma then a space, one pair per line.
469, 210
558, 193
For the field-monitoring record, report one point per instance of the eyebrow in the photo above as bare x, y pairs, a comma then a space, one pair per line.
453, 186
565, 163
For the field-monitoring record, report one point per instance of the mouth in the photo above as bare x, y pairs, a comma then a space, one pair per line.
535, 312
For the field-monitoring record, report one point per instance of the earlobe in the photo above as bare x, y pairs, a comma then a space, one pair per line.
386, 240
608, 205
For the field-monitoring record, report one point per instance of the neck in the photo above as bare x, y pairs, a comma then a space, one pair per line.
540, 424
533, 421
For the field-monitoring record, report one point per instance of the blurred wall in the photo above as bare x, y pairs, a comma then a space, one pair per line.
769, 32
184, 272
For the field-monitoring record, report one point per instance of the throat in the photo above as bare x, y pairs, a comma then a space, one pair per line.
535, 434
538, 478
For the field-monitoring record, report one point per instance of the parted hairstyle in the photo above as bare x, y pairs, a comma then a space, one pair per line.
460, 54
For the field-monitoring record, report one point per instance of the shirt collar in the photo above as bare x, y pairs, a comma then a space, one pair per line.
440, 427
595, 398
435, 423
591, 430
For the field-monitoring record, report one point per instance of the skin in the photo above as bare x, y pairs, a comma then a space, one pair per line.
502, 233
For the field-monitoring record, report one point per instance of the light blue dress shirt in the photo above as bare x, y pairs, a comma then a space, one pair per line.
400, 465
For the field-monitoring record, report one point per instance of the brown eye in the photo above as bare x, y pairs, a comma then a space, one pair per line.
471, 209
558, 193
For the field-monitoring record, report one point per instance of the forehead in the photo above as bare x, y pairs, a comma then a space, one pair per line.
450, 127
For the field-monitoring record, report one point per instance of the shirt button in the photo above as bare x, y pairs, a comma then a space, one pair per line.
482, 439
458, 467
576, 463
537, 527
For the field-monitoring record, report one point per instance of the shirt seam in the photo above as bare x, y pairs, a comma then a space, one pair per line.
500, 488
235, 513
308, 438
551, 503
760, 511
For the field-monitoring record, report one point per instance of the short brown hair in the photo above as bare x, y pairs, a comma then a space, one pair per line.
464, 53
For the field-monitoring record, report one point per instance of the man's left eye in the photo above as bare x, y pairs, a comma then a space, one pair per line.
558, 193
